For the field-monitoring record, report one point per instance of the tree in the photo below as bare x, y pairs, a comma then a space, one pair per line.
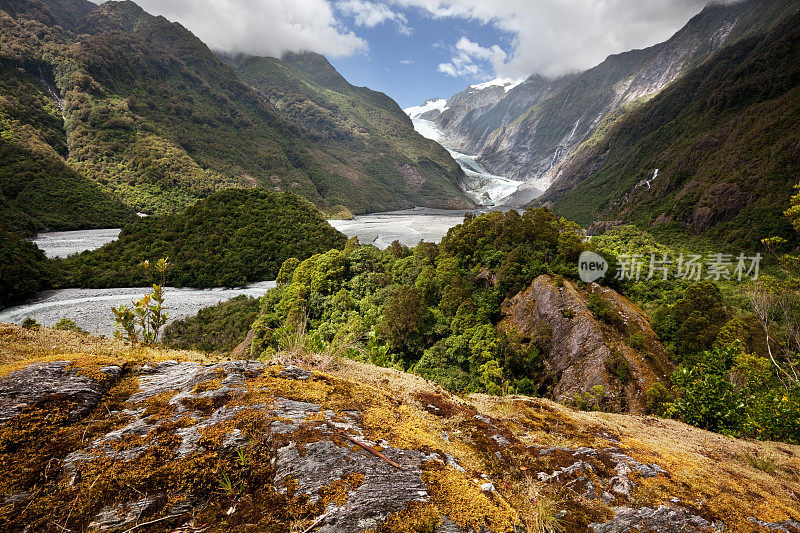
402, 316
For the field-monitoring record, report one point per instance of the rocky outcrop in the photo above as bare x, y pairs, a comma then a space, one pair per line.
661, 519
180, 445
584, 348
58, 383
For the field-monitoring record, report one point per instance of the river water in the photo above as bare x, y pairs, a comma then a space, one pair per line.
91, 308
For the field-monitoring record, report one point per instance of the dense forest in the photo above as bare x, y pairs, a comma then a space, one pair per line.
23, 269
228, 239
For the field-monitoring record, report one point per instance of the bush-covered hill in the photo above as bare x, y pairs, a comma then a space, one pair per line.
433, 308
153, 117
219, 328
228, 239
23, 269
718, 151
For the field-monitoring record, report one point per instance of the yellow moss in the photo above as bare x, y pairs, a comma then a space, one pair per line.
337, 492
417, 517
463, 502
158, 404
212, 384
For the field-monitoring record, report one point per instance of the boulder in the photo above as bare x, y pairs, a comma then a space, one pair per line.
53, 384
582, 350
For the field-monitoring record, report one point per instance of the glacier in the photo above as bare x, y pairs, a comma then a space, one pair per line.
480, 186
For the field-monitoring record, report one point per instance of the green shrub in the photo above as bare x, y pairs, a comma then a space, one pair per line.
30, 323
618, 366
656, 399
65, 324
23, 269
636, 341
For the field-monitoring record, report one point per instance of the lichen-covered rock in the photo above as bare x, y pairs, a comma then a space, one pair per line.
582, 350
661, 519
606, 474
785, 526
56, 382
241, 446
114, 517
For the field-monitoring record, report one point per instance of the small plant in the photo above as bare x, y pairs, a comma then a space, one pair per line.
636, 341
143, 322
227, 486
299, 347
537, 510
241, 455
567, 313
765, 461
591, 400
65, 324
656, 399
618, 366
30, 323
598, 306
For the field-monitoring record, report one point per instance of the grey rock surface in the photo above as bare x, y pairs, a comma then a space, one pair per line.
52, 383
661, 519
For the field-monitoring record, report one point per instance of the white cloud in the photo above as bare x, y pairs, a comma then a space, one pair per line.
371, 14
264, 27
553, 37
407, 61
467, 54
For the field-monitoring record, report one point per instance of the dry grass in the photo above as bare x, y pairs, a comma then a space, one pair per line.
537, 510
23, 346
309, 351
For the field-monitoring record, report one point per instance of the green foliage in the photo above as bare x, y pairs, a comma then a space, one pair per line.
66, 324
692, 323
598, 306
144, 321
618, 366
724, 142
219, 328
656, 399
30, 323
730, 391
636, 341
430, 309
38, 188
402, 317
229, 239
23, 269
592, 400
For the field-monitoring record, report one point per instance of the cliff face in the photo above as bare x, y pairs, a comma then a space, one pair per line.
531, 131
97, 435
586, 348
717, 151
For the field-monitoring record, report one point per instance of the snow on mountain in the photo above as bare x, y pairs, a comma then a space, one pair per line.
437, 104
506, 83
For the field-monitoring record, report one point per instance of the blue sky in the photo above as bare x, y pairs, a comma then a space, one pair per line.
406, 66
418, 49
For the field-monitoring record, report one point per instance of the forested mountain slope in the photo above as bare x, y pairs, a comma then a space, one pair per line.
529, 131
719, 150
137, 108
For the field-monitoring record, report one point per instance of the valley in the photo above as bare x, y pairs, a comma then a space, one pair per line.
242, 290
